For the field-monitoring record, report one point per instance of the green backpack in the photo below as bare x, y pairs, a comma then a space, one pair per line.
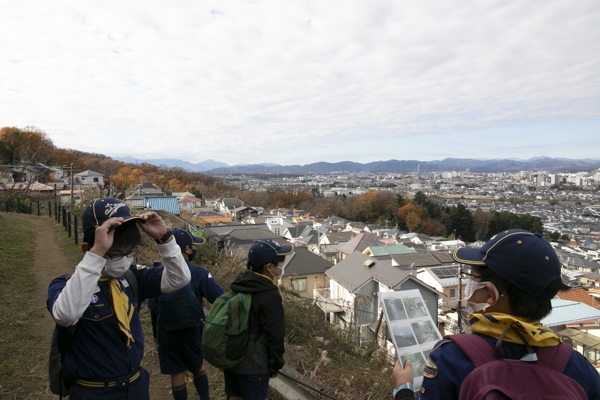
225, 337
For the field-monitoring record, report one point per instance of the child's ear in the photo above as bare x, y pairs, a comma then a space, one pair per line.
494, 295
85, 247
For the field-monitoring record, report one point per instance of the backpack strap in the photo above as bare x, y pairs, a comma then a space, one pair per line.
479, 351
135, 286
555, 357
475, 348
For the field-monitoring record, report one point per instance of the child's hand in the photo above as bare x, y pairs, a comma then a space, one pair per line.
154, 225
402, 375
104, 236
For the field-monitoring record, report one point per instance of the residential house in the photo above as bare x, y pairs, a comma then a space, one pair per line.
239, 241
352, 300
189, 203
277, 224
444, 279
356, 227
304, 272
374, 229
89, 177
206, 218
294, 232
241, 212
447, 245
358, 243
417, 238
136, 194
218, 234
227, 205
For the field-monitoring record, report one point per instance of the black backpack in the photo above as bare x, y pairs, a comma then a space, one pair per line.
62, 337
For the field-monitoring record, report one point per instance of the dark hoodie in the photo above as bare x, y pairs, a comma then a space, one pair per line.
267, 325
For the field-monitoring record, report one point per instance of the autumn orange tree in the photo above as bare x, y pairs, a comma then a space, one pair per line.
24, 146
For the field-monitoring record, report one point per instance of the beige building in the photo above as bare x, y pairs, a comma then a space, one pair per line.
304, 272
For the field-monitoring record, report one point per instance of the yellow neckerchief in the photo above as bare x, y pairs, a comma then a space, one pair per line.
269, 278
121, 305
493, 324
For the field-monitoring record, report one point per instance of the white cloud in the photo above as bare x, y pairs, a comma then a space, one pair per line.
291, 82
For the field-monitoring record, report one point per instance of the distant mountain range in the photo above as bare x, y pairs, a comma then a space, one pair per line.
391, 166
172, 162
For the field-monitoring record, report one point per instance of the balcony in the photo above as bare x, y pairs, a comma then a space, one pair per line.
326, 303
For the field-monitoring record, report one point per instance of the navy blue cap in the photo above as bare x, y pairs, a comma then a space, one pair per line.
184, 237
264, 250
104, 208
525, 260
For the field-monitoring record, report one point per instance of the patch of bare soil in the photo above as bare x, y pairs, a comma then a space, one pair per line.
51, 261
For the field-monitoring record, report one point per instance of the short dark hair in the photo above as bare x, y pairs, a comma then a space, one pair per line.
126, 235
522, 304
260, 269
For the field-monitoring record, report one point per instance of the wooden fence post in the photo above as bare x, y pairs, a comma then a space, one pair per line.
69, 224
49, 209
75, 229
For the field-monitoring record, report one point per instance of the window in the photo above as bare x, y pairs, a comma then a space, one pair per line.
299, 284
452, 292
95, 179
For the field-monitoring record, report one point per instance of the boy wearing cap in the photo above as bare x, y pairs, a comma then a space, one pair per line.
180, 350
512, 280
249, 380
104, 355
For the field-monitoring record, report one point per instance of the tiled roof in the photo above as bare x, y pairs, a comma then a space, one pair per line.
580, 295
304, 262
351, 274
225, 229
359, 243
419, 259
254, 234
444, 257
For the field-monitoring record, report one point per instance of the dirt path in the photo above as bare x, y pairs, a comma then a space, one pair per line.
51, 261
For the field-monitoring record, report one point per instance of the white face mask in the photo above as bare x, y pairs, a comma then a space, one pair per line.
116, 268
281, 275
470, 289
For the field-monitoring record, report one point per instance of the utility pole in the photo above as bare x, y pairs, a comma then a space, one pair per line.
72, 183
459, 303
72, 186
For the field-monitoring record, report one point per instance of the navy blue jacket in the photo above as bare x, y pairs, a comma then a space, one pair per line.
99, 350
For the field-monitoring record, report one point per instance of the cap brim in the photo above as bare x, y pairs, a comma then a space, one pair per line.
199, 240
134, 219
467, 255
286, 250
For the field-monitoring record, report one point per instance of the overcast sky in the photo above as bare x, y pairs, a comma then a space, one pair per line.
296, 82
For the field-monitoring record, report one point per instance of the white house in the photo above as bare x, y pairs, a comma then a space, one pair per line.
89, 177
